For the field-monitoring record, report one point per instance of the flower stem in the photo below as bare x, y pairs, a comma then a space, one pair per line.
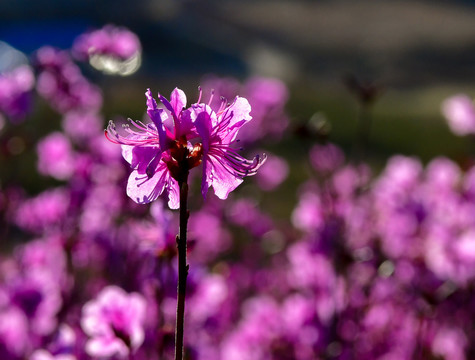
182, 268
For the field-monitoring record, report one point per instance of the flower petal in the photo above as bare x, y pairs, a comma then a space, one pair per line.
222, 181
143, 189
204, 127
177, 101
232, 118
158, 116
142, 156
173, 192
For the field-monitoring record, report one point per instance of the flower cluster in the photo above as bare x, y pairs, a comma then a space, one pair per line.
15, 92
162, 152
355, 266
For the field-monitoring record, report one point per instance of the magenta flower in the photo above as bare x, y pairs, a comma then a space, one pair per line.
178, 140
15, 92
45, 355
56, 157
273, 174
61, 83
112, 50
459, 112
326, 158
110, 40
114, 321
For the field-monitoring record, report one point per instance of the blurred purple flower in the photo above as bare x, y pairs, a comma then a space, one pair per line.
309, 213
56, 157
273, 173
38, 298
252, 336
61, 83
46, 355
326, 158
246, 213
450, 343
114, 321
96, 215
109, 40
64, 343
209, 295
82, 126
14, 339
15, 92
209, 236
43, 212
459, 111
44, 259
113, 50
267, 97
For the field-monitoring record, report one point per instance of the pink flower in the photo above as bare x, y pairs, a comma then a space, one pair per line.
459, 111
56, 157
326, 158
45, 355
179, 139
61, 83
114, 321
15, 92
110, 40
273, 174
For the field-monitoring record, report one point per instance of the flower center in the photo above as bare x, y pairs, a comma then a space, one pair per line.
180, 159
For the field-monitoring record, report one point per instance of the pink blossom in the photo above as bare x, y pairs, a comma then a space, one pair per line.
61, 83
15, 89
109, 40
56, 157
273, 173
44, 211
82, 126
160, 152
114, 322
46, 355
459, 112
326, 158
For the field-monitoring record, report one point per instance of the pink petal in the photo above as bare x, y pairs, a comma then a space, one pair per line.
235, 116
177, 101
203, 127
222, 181
142, 189
173, 194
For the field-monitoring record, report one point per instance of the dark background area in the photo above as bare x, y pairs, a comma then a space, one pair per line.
417, 52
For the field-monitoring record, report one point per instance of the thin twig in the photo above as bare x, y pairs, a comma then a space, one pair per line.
182, 268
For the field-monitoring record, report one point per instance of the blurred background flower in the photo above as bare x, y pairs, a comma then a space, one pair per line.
354, 241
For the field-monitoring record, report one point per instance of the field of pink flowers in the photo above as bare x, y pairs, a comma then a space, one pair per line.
368, 266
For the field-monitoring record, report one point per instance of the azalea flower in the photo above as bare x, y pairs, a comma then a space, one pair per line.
162, 152
459, 111
114, 321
